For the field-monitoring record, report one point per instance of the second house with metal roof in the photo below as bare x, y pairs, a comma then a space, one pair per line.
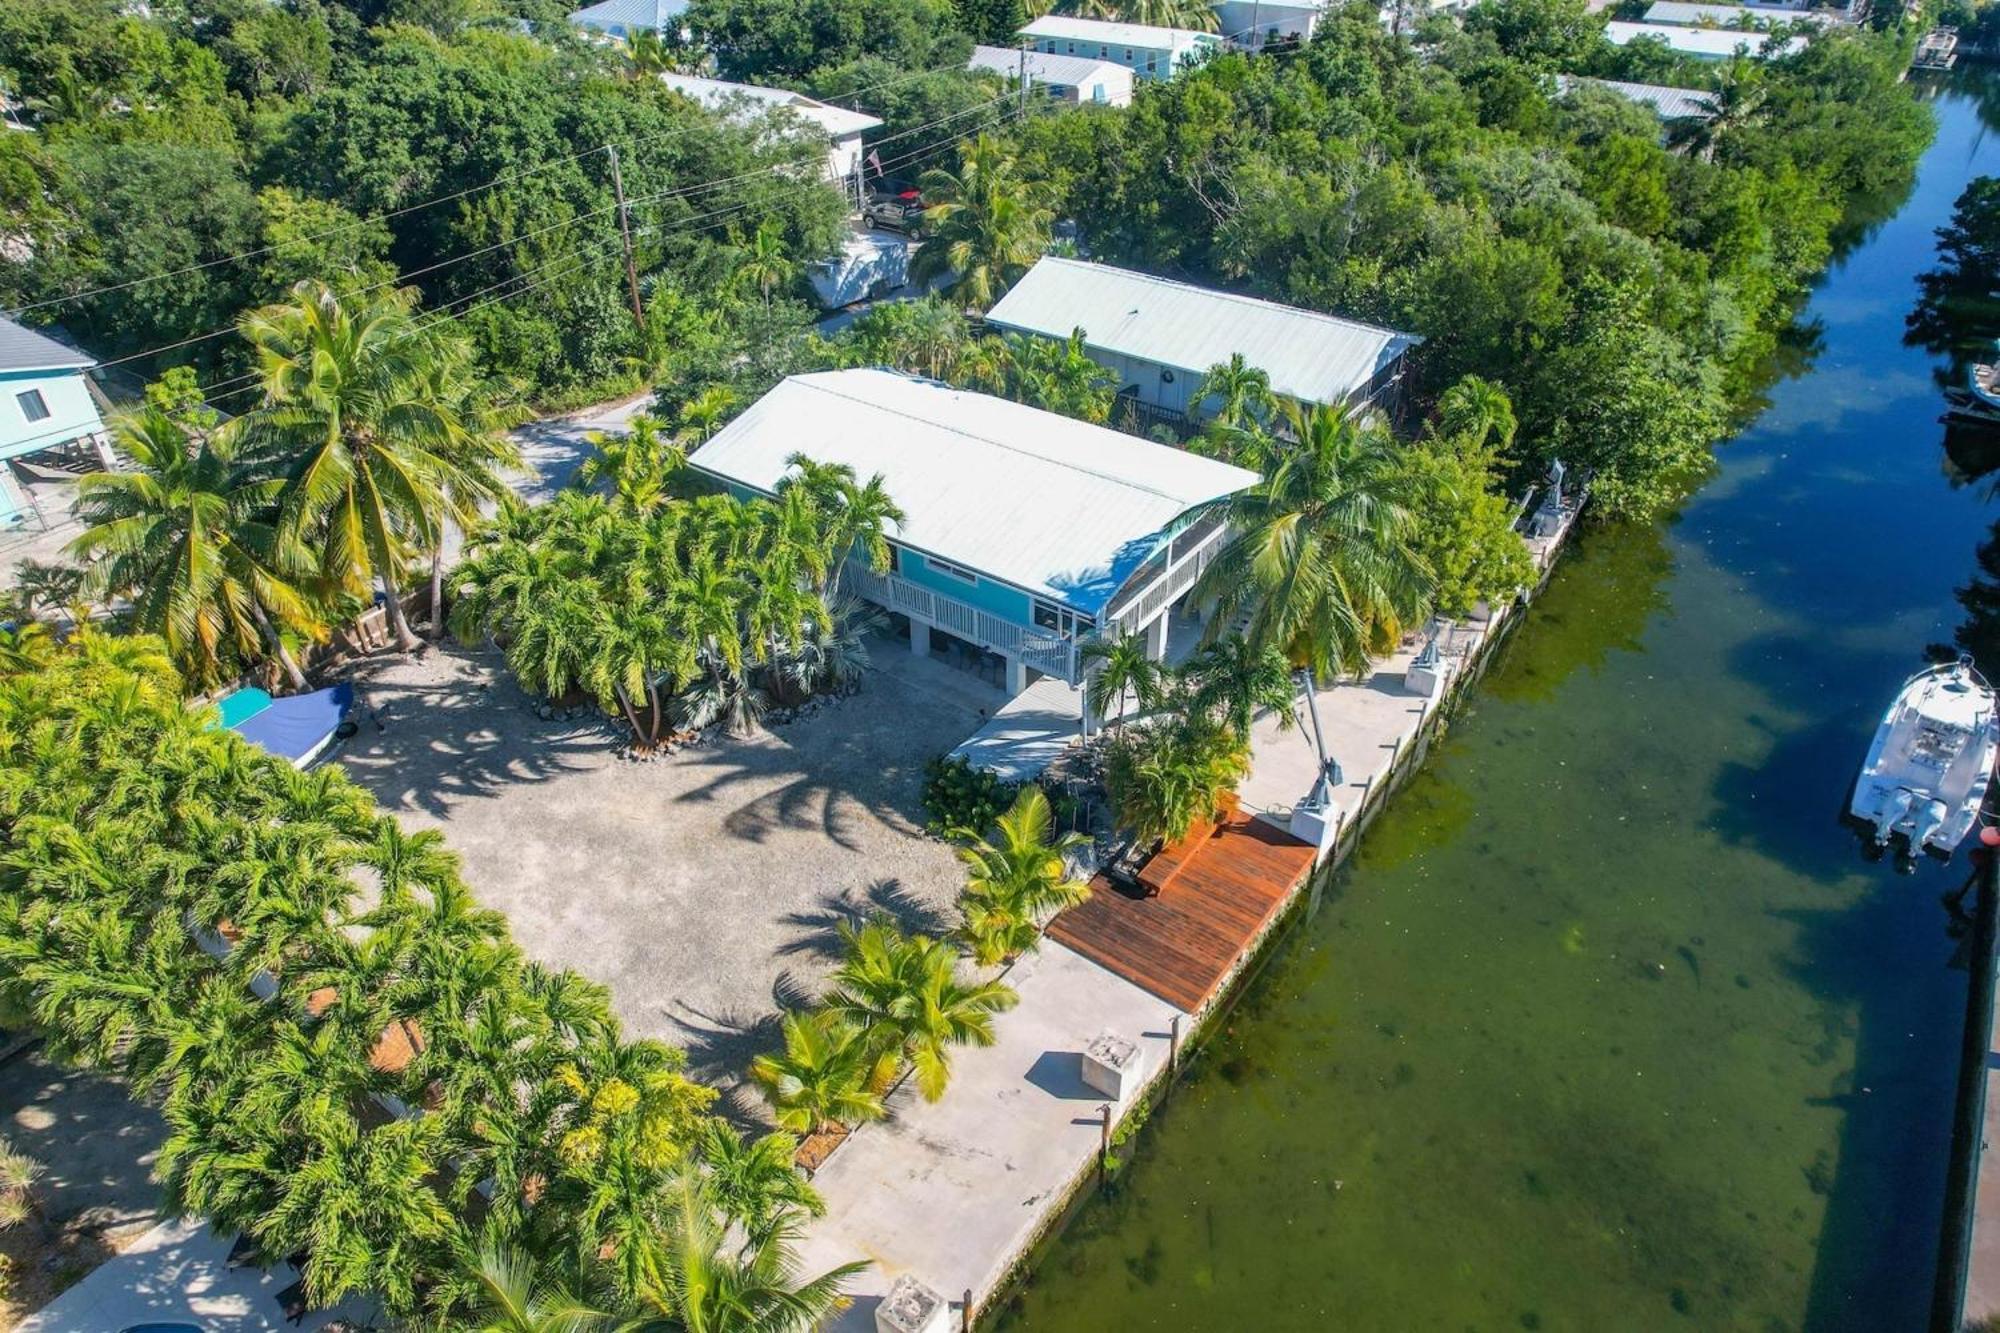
1160, 337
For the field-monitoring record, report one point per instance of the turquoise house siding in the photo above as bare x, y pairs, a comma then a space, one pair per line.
71, 411
996, 599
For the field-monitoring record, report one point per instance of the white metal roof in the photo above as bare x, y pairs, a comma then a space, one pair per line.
1708, 43
838, 121
1728, 16
1049, 504
21, 348
1144, 35
1070, 71
658, 15
1670, 103
1312, 357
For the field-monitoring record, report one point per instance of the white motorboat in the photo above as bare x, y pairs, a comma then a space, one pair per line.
1926, 775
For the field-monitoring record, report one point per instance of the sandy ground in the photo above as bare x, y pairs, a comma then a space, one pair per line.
96, 1194
703, 888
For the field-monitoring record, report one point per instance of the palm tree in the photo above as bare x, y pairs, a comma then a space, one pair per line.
903, 992
1123, 667
1477, 411
185, 533
713, 1286
763, 263
826, 1075
353, 416
1059, 375
516, 1297
1243, 391
1234, 678
1738, 99
1321, 562
30, 646
639, 465
702, 415
753, 1180
646, 54
986, 224
850, 514
1162, 779
1016, 879
1170, 14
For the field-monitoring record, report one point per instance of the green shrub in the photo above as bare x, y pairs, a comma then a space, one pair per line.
959, 796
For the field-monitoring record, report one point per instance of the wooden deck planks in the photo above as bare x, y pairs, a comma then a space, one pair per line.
1183, 944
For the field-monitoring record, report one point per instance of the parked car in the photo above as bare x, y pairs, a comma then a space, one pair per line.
899, 212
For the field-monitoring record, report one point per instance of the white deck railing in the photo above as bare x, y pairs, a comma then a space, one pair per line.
1134, 608
1047, 653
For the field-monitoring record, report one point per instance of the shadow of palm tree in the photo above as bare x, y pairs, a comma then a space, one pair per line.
820, 926
455, 727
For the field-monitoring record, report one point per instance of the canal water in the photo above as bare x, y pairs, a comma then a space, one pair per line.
1610, 1026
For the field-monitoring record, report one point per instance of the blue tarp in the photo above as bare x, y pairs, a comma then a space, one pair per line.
294, 728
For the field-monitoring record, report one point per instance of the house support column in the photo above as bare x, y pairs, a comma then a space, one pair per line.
1017, 674
1156, 636
920, 637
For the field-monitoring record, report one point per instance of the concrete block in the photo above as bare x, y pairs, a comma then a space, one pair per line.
1112, 1065
1428, 680
912, 1307
1318, 825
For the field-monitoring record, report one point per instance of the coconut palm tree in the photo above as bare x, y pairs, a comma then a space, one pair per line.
1234, 678
1738, 100
1477, 411
1321, 563
353, 417
515, 1295
715, 1286
1016, 879
1242, 391
1123, 667
186, 535
986, 224
1169, 14
826, 1074
904, 993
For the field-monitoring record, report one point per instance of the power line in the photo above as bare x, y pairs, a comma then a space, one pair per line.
402, 278
505, 176
541, 276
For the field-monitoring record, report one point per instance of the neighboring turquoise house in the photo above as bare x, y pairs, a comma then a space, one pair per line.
1025, 533
45, 404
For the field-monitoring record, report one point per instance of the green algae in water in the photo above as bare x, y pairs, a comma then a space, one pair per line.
1609, 1026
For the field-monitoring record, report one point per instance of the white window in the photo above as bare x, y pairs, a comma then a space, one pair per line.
1104, 53
1060, 620
1070, 48
1097, 93
1152, 63
945, 567
32, 405
1128, 55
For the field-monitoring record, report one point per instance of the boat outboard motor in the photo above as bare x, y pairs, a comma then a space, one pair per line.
1893, 812
1929, 820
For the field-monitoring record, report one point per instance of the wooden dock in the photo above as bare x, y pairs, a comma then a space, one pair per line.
1218, 894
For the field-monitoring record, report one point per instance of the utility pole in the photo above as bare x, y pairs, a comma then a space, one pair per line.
1024, 76
625, 234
